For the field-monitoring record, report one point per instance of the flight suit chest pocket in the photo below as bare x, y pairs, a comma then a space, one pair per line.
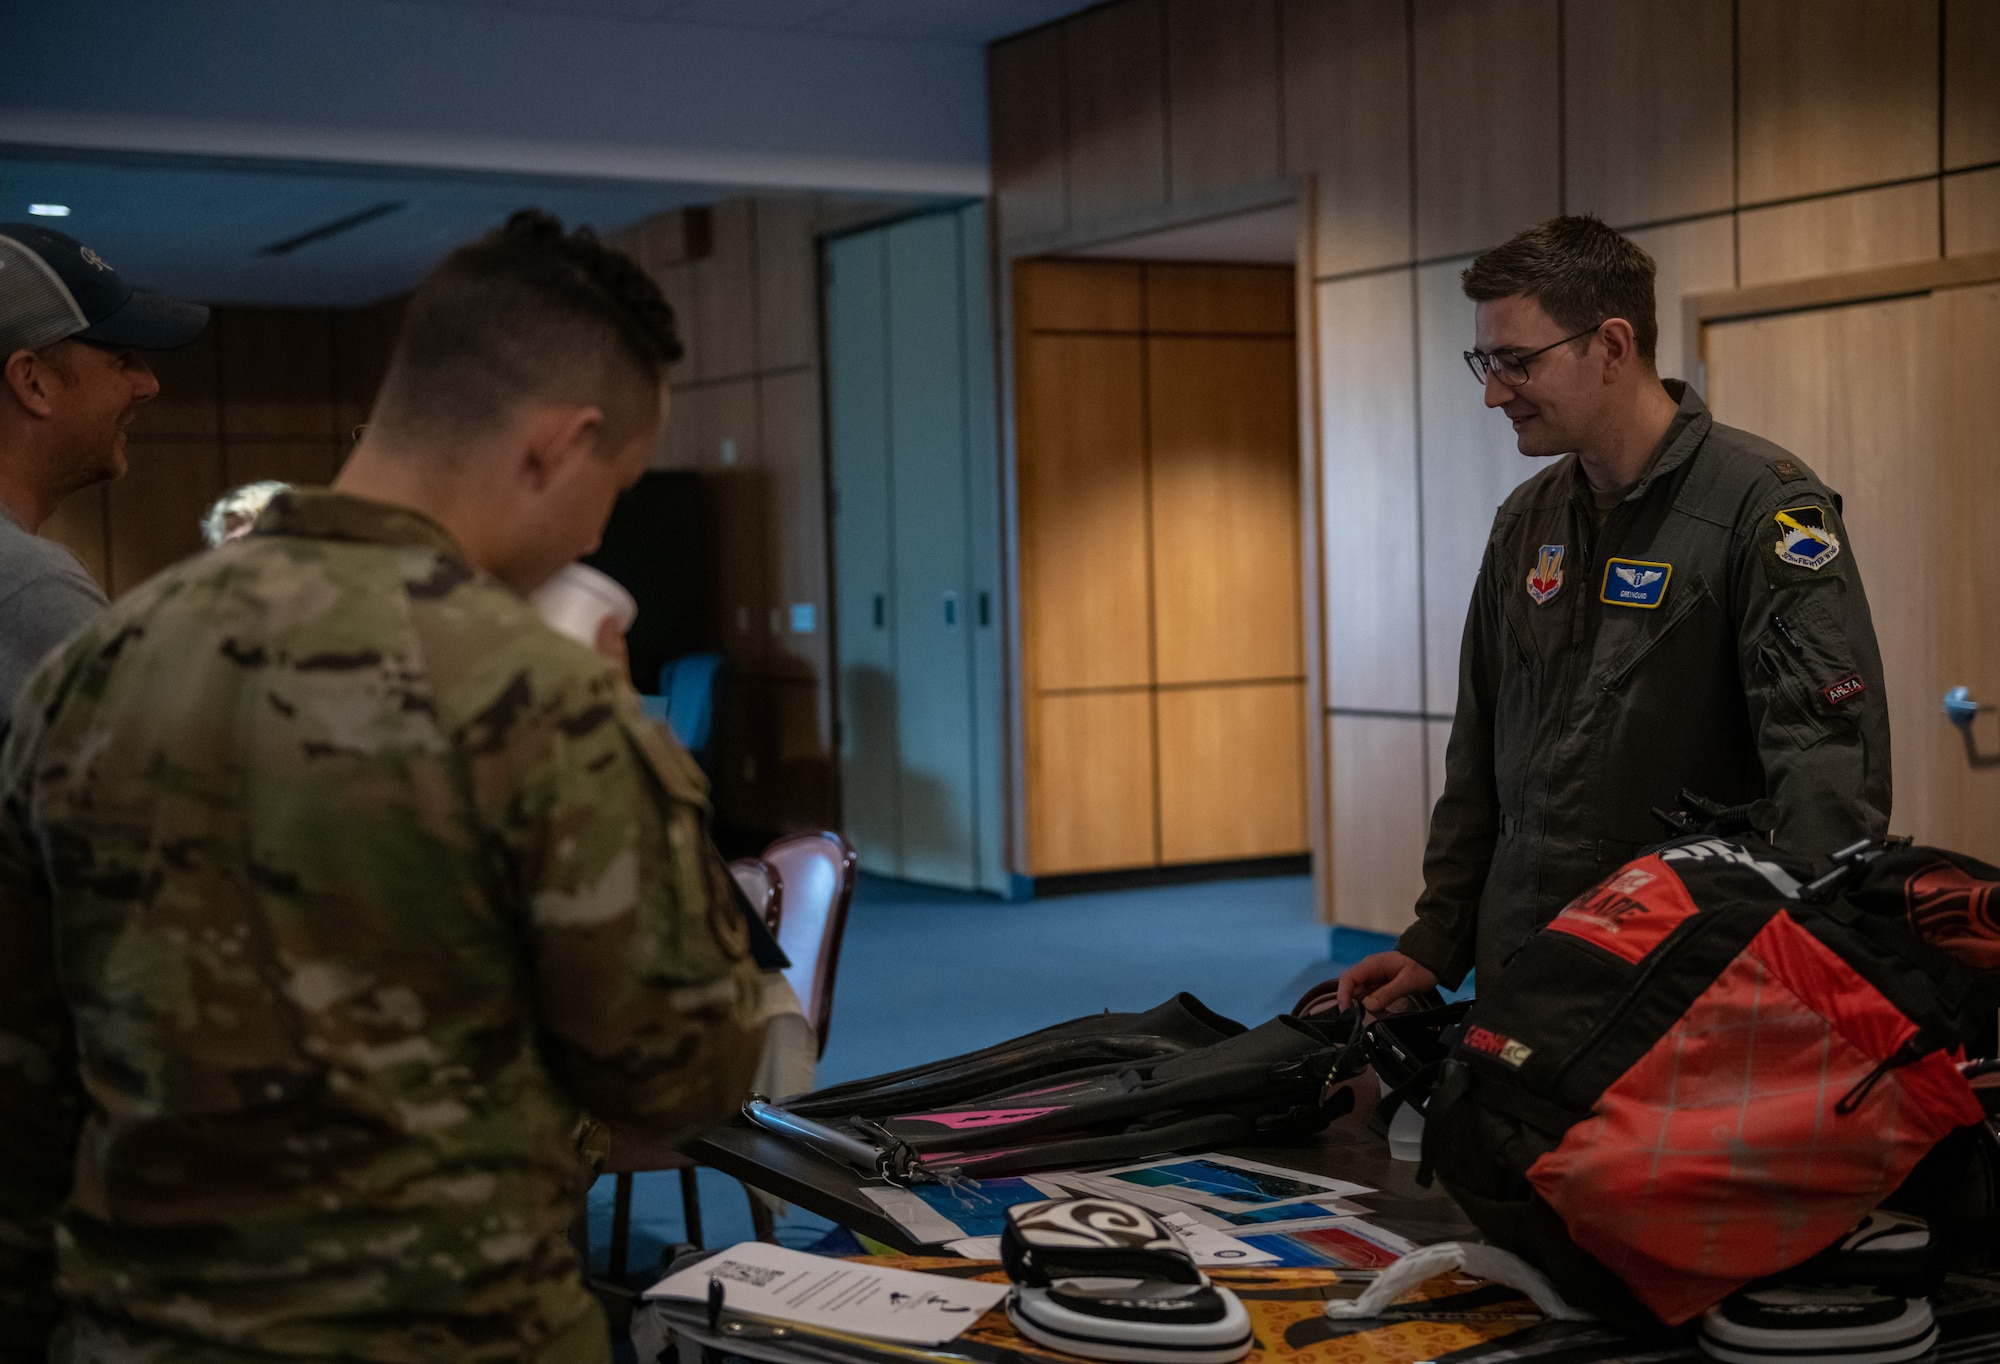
1814, 689
1628, 637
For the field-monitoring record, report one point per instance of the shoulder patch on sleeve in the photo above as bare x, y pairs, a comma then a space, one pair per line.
1802, 542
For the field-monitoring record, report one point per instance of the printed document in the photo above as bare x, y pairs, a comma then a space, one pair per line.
776, 1284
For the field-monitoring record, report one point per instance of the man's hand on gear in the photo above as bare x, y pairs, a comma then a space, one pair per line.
1379, 981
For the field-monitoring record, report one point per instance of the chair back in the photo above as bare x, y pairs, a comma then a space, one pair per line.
817, 872
763, 887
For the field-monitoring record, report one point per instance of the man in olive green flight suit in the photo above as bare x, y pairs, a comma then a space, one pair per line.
335, 887
1673, 605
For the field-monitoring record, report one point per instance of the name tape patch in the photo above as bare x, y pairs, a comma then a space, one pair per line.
1846, 689
1635, 582
1490, 1043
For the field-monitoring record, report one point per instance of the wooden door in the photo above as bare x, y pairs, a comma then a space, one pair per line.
1890, 403
1160, 564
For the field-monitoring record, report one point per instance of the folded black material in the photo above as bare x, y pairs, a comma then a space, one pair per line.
1106, 1087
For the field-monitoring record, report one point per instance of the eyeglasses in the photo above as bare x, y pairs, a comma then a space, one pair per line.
1511, 369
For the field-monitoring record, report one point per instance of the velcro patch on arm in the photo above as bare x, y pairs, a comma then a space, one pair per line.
1803, 542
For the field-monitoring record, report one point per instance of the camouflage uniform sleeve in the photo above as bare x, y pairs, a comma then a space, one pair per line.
642, 980
38, 1088
1812, 671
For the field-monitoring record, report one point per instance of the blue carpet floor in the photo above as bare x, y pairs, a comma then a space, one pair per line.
927, 973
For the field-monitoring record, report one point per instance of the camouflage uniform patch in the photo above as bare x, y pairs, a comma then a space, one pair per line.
361, 887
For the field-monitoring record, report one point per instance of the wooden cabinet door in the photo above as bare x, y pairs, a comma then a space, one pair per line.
927, 417
857, 390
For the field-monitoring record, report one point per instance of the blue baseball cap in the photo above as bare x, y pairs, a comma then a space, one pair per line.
53, 287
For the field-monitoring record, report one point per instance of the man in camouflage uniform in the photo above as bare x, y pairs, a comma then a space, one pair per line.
335, 887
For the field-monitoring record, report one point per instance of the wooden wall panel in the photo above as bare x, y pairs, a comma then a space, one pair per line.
1223, 430
1079, 296
1972, 212
308, 463
803, 785
726, 294
156, 509
739, 489
1243, 299
1835, 94
1081, 475
1347, 123
786, 284
1090, 782
1369, 542
1844, 232
1649, 104
362, 341
1692, 258
1114, 63
788, 425
189, 405
78, 525
679, 446
1971, 83
275, 372
1470, 464
1487, 121
1376, 842
677, 287
1232, 772
1024, 81
1222, 95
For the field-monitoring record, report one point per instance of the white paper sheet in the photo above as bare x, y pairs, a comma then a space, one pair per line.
789, 1285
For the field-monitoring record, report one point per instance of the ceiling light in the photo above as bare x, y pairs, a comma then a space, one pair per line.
49, 210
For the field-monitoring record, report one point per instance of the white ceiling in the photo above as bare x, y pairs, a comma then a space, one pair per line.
922, 20
186, 137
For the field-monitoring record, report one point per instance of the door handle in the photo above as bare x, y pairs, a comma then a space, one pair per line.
1960, 708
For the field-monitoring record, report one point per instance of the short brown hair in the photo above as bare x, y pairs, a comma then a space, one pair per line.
529, 311
1580, 271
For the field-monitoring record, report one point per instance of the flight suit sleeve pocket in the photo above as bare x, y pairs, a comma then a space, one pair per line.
1815, 689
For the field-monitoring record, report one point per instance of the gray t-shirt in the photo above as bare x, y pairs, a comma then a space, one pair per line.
45, 596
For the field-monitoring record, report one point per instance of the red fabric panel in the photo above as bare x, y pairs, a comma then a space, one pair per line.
1955, 910
1631, 913
1718, 1158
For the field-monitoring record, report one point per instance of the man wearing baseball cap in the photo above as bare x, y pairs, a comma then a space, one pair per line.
72, 335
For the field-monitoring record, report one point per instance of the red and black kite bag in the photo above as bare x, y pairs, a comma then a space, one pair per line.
1706, 1070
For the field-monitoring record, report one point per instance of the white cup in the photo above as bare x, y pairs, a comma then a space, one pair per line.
576, 601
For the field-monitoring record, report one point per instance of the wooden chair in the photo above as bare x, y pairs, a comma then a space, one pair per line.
762, 887
801, 887
818, 872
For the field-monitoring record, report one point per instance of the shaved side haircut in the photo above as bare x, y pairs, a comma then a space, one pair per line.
1580, 271
527, 313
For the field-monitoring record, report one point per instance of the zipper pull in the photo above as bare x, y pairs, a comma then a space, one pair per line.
1912, 1051
1791, 640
